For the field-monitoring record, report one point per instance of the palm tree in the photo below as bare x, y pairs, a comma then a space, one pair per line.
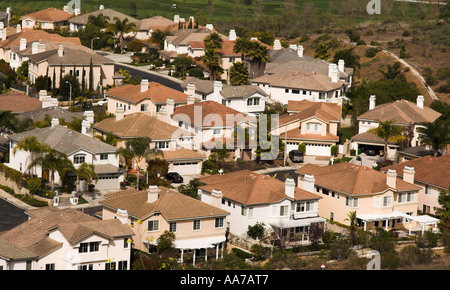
85, 171
137, 150
121, 27
393, 71
436, 135
242, 46
389, 132
351, 217
110, 138
213, 43
32, 146
257, 54
239, 74
54, 162
101, 20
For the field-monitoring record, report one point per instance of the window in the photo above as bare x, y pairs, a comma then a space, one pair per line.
78, 159
162, 145
243, 211
84, 247
125, 243
144, 107
232, 59
173, 227
296, 92
110, 266
196, 225
313, 126
286, 90
86, 267
305, 206
153, 226
94, 246
203, 97
387, 201
104, 156
406, 197
427, 189
122, 265
253, 102
351, 202
49, 267
217, 131
284, 210
219, 223
321, 96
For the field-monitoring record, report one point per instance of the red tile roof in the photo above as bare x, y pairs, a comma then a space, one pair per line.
156, 92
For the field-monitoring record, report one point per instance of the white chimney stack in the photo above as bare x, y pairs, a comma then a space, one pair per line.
170, 108
23, 44
144, 85
217, 89
190, 100
300, 51
210, 27
176, 18
4, 34
55, 122
89, 116
391, 178
341, 65
18, 28
119, 113
152, 193
420, 100
190, 90
289, 187
333, 72
408, 174
66, 8
101, 7
216, 198
293, 47
372, 102
34, 47
85, 127
308, 182
232, 35
277, 45
60, 50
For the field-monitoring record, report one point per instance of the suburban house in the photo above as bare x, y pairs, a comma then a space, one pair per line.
147, 97
175, 142
197, 226
5, 17
145, 27
18, 102
257, 198
379, 199
404, 113
216, 126
80, 21
65, 239
431, 174
17, 46
78, 147
315, 124
73, 61
288, 85
46, 19
247, 99
51, 112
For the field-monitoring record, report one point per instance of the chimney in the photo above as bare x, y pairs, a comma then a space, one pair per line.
372, 102
144, 85
217, 87
42, 94
341, 65
232, 35
85, 127
308, 182
420, 100
55, 122
190, 90
66, 8
101, 7
170, 107
277, 45
34, 47
119, 113
391, 178
176, 18
89, 116
210, 27
77, 11
41, 47
293, 47
289, 187
23, 44
300, 51
122, 215
216, 198
190, 100
4, 34
408, 174
60, 50
333, 72
152, 193
18, 28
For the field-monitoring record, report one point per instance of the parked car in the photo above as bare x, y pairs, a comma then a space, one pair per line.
102, 102
296, 156
174, 177
370, 152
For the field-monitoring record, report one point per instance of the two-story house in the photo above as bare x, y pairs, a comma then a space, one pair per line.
256, 198
46, 19
197, 226
80, 21
247, 99
407, 114
379, 199
66, 239
432, 174
78, 147
315, 124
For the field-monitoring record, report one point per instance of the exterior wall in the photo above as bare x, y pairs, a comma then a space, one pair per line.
129, 107
364, 126
13, 265
428, 197
28, 22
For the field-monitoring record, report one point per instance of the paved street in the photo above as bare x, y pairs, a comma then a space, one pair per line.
10, 215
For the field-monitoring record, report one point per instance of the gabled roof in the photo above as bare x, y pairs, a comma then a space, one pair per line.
352, 179
185, 36
300, 80
428, 169
242, 91
65, 140
83, 18
140, 125
54, 112
18, 102
50, 14
70, 57
171, 204
402, 111
250, 188
32, 35
11, 251
156, 92
327, 112
210, 114
156, 23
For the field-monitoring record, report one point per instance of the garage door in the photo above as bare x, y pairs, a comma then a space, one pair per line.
186, 168
107, 183
318, 149
291, 146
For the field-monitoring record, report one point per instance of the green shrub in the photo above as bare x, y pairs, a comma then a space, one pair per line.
7, 189
241, 254
31, 200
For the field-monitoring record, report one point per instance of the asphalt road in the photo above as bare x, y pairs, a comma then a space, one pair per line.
10, 216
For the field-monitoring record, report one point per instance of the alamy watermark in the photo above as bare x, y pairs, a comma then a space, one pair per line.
374, 7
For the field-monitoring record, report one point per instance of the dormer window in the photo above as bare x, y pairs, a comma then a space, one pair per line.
313, 126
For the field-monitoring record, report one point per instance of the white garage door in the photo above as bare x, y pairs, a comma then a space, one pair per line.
291, 146
186, 168
107, 183
318, 149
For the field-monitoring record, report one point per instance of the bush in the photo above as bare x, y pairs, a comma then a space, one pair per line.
241, 254
7, 189
256, 232
371, 52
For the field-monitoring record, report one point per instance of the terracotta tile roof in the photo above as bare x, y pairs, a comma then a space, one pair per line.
156, 92
50, 45
227, 49
428, 169
352, 179
402, 111
18, 102
183, 154
211, 112
32, 235
250, 188
83, 18
171, 204
140, 125
369, 137
300, 80
49, 14
185, 36
32, 35
295, 134
71, 56
155, 23
328, 112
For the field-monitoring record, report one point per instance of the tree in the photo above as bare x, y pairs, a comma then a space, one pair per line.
351, 217
389, 133
239, 74
136, 150
32, 146
322, 51
121, 27
213, 43
436, 135
350, 58
257, 54
85, 171
393, 71
443, 212
165, 242
110, 139
191, 188
158, 37
182, 64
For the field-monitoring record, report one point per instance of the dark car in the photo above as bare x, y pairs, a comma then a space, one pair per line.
370, 152
174, 177
296, 156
